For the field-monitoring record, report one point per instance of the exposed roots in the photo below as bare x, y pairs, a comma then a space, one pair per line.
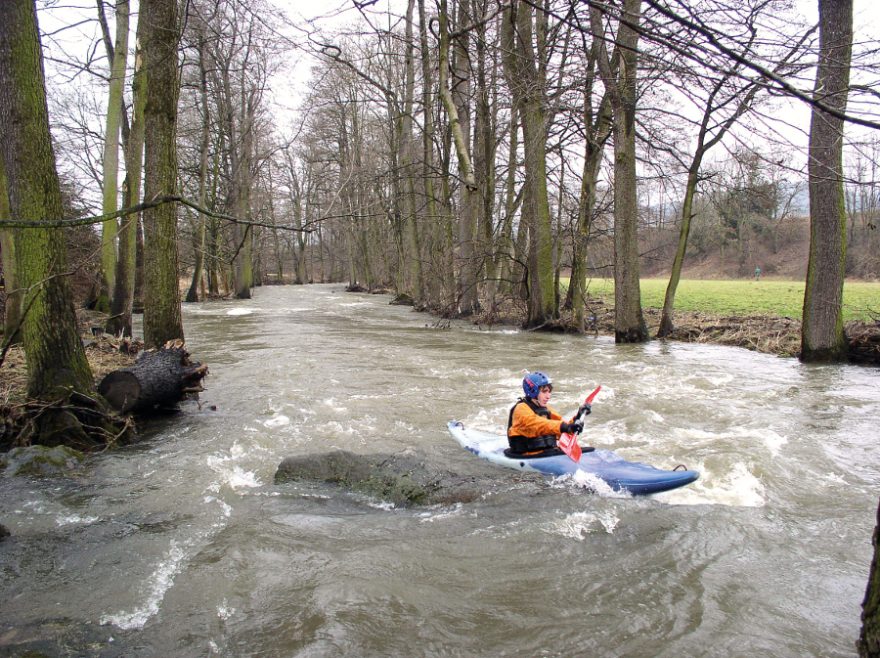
77, 421
80, 421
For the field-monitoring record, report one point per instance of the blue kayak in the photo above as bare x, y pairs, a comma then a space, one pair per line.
606, 465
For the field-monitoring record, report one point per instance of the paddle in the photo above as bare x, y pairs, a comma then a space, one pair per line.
568, 442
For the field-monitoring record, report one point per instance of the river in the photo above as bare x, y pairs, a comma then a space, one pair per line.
182, 545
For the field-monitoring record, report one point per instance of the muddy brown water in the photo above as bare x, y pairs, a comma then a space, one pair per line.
182, 545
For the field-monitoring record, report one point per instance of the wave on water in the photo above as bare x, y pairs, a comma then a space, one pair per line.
76, 519
160, 582
580, 524
162, 578
240, 311
738, 487
584, 480
278, 420
231, 474
444, 513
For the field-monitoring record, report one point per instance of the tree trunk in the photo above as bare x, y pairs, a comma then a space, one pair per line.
122, 303
484, 152
192, 294
12, 320
434, 288
56, 361
115, 108
666, 324
162, 320
159, 378
598, 126
509, 268
822, 336
869, 638
525, 76
629, 323
412, 237
457, 108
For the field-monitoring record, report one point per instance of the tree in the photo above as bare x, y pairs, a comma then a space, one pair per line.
162, 319
199, 243
597, 128
822, 335
122, 301
115, 109
12, 317
722, 100
620, 81
526, 76
56, 362
457, 106
869, 638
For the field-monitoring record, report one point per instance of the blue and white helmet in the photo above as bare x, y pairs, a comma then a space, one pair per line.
533, 382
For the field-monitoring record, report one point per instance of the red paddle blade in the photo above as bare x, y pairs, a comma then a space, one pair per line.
569, 445
593, 395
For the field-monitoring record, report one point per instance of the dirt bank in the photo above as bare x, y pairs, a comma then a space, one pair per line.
768, 334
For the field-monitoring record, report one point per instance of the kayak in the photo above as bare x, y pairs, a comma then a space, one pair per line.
605, 465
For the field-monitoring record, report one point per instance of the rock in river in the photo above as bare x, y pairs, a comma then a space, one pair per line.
404, 479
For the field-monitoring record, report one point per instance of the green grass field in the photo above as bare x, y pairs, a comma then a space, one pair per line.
861, 300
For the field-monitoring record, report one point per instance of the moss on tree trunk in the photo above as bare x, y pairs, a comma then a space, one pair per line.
162, 320
56, 360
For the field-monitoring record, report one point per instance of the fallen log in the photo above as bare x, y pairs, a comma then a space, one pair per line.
159, 378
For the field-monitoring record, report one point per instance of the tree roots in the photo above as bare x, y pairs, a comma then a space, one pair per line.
78, 421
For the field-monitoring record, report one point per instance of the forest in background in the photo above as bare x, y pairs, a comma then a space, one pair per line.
406, 164
465, 155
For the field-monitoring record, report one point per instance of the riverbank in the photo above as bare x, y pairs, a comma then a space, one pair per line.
769, 334
104, 354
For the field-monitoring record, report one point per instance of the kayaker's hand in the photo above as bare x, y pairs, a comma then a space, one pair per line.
585, 410
571, 428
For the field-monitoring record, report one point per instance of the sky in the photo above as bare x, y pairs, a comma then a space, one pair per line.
303, 16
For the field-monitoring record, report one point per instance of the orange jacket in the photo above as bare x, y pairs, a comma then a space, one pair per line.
527, 423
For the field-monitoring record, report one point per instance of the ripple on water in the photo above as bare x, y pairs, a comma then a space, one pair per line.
580, 524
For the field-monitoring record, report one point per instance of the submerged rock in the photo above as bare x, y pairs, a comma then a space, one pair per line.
4, 533
40, 461
403, 479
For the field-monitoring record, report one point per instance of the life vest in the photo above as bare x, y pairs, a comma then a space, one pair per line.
528, 446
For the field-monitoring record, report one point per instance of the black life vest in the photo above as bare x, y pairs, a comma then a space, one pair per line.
541, 445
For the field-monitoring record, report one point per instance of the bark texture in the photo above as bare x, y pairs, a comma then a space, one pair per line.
869, 639
823, 337
629, 322
162, 320
159, 378
527, 79
122, 302
56, 360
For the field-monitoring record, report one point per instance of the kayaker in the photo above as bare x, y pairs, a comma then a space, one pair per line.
533, 427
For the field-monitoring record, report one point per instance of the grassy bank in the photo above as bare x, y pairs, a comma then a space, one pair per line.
861, 300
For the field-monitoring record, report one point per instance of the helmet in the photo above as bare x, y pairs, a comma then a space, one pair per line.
533, 382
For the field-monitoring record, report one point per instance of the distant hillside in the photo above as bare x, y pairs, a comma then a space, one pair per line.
780, 252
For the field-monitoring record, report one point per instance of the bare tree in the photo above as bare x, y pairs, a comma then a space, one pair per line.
118, 55
526, 76
162, 318
620, 81
822, 337
56, 361
723, 100
122, 301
